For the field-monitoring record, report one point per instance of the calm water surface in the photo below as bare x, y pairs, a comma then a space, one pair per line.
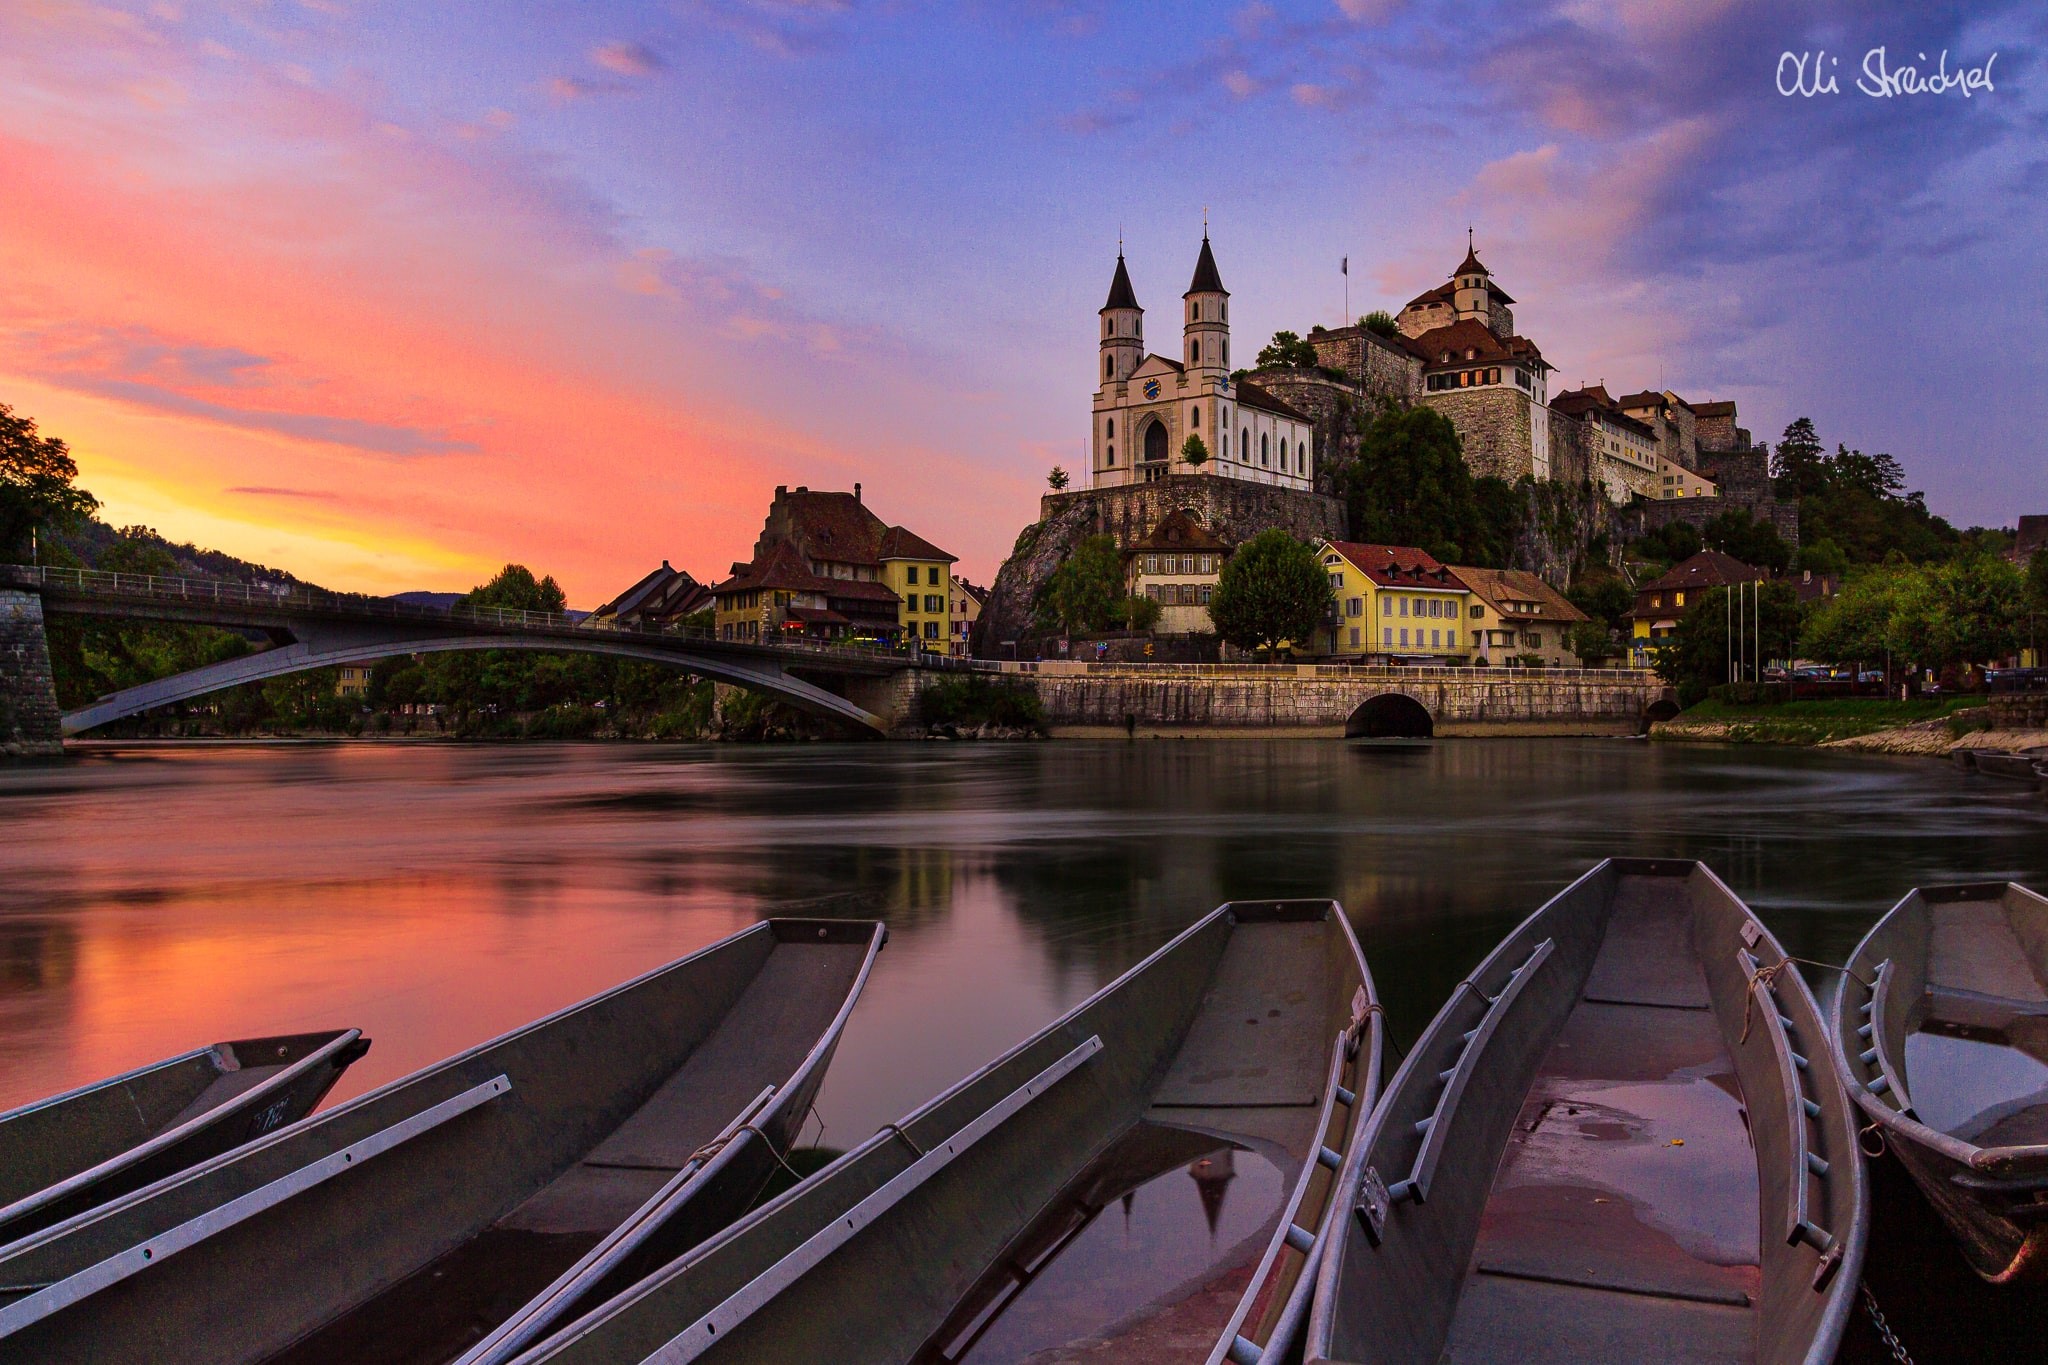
153, 899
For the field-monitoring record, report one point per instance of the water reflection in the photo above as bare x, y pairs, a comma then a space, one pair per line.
436, 895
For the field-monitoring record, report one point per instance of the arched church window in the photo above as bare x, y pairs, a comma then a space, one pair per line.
1244, 444
1226, 352
1112, 456
1283, 454
1194, 353
1108, 367
1262, 448
1194, 417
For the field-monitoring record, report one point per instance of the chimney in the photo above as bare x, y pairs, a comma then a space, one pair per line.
856, 492
781, 490
665, 565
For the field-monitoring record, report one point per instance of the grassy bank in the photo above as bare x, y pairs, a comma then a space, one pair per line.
1814, 722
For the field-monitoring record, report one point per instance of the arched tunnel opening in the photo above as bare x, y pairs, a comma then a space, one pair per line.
1390, 716
1662, 709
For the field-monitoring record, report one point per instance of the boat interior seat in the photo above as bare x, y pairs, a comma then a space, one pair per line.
1597, 1241
1973, 951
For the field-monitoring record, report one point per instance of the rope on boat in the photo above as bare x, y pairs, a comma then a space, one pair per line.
1864, 1132
717, 1145
1769, 977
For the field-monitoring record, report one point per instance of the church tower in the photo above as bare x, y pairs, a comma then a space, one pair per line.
1206, 329
1123, 327
1474, 294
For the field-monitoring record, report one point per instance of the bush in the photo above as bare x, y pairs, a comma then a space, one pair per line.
981, 699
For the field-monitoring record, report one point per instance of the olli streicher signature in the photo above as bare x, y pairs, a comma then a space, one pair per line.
1813, 73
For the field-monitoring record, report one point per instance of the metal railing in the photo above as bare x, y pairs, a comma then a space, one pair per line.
1383, 672
292, 597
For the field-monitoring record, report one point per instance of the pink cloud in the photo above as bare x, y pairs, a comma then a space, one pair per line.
626, 59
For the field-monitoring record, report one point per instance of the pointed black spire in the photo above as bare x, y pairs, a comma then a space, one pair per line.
1470, 265
1207, 280
1121, 295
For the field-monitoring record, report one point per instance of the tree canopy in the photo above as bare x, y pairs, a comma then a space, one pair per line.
1380, 323
1938, 616
1410, 485
1856, 501
1085, 593
38, 488
1696, 656
1272, 590
1287, 349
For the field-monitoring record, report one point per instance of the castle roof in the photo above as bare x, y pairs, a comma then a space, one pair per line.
1121, 295
1397, 566
1250, 395
1717, 409
1519, 595
1445, 347
1470, 265
1207, 280
1594, 398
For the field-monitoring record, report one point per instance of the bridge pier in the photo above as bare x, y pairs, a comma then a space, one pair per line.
30, 720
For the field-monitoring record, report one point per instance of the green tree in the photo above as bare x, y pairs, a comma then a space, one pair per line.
1604, 597
1272, 590
2037, 580
1672, 543
1796, 463
1823, 558
1139, 612
37, 484
515, 588
1941, 616
1696, 656
1085, 591
1288, 350
1592, 642
1057, 479
1380, 323
1409, 485
1755, 543
1865, 622
1194, 452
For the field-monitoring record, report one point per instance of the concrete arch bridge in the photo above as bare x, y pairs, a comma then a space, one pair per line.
864, 687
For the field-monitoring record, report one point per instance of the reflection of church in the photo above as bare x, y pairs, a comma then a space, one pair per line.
1149, 407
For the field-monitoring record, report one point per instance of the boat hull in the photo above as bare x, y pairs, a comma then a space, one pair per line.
1607, 1145
1224, 1034
1940, 960
544, 1139
72, 1152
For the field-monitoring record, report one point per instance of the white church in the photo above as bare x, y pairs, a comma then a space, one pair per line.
1148, 406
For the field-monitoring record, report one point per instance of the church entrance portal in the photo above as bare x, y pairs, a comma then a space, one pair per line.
1155, 450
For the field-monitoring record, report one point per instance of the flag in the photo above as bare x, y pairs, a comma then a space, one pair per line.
1344, 267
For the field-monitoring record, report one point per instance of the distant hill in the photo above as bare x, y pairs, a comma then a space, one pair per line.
440, 601
94, 538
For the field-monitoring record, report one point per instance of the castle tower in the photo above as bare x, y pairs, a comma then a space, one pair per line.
1206, 329
1474, 295
1469, 284
1123, 327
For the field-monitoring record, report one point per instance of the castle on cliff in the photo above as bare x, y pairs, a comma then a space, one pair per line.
1155, 416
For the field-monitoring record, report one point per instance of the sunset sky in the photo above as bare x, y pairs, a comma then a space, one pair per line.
388, 294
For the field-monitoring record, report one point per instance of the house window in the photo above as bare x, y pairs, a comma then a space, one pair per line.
1203, 595
1337, 579
1387, 636
1404, 637
1679, 600
1151, 563
1404, 612
1208, 564
1478, 613
1354, 637
931, 630
1354, 607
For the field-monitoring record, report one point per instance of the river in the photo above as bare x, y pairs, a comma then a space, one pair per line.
157, 898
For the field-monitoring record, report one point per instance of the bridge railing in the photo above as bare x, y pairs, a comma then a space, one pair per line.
1076, 668
288, 597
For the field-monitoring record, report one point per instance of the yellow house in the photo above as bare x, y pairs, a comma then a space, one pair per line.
967, 600
922, 575
1394, 604
353, 682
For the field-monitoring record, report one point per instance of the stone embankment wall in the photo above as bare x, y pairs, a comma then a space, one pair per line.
1318, 699
30, 723
2019, 713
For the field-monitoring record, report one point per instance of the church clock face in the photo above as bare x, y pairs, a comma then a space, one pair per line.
1151, 388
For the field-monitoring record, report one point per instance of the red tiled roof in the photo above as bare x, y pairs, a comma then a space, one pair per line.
781, 567
1397, 566
898, 543
1707, 569
1470, 334
1717, 409
1500, 587
1594, 398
